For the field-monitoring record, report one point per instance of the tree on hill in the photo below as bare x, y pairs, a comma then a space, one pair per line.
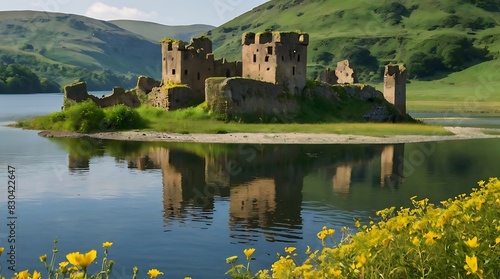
17, 79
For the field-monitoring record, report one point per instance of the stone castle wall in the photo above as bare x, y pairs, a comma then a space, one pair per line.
277, 57
240, 97
77, 92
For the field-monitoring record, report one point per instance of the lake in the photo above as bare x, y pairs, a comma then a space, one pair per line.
184, 207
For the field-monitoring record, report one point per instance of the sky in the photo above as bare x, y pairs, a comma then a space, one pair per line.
168, 12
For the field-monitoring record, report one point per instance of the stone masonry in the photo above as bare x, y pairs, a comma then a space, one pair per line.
194, 63
276, 57
343, 74
395, 86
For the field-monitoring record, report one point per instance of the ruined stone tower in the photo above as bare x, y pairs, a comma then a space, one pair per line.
194, 63
276, 57
395, 86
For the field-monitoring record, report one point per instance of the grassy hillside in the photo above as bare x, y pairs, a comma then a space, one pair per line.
64, 48
434, 38
155, 32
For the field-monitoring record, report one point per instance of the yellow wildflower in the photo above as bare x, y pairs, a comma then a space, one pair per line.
63, 265
78, 275
290, 249
232, 259
361, 260
153, 273
22, 275
43, 258
472, 243
107, 244
471, 264
335, 272
497, 240
187, 278
415, 241
249, 252
36, 275
1, 250
82, 260
431, 237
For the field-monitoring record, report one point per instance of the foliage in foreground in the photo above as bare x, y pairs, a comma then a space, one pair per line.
76, 266
458, 239
87, 117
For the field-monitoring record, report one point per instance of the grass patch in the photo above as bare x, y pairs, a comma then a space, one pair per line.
87, 117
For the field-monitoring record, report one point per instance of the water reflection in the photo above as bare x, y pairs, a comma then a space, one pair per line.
263, 184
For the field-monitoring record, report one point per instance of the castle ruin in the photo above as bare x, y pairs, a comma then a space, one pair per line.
343, 74
194, 63
276, 57
395, 86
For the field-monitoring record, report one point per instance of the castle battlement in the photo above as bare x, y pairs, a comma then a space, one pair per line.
250, 38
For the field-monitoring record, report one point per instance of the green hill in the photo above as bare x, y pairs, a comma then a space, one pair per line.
156, 32
433, 37
65, 48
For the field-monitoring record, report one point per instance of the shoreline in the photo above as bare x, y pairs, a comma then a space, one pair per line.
460, 133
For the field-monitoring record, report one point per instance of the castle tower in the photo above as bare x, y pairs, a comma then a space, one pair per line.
395, 86
190, 64
276, 57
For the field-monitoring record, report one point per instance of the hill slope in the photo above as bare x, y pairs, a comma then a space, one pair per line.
155, 32
65, 47
434, 38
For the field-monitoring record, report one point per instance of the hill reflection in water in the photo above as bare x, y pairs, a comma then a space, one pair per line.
263, 184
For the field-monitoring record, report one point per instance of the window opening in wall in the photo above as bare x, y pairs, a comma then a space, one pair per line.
267, 58
293, 71
282, 58
270, 50
268, 69
254, 58
228, 73
173, 71
185, 72
298, 58
199, 76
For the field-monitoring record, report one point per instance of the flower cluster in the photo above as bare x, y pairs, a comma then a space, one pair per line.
458, 238
76, 266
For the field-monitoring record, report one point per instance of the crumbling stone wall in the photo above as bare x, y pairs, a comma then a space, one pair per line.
173, 98
146, 84
343, 74
78, 92
395, 86
247, 98
276, 57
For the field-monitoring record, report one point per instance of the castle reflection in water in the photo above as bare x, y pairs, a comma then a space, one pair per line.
262, 183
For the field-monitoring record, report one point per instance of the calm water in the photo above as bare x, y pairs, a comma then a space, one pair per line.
185, 207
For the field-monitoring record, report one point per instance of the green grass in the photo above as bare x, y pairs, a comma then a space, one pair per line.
196, 120
86, 117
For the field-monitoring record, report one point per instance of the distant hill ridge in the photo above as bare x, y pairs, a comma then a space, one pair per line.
66, 48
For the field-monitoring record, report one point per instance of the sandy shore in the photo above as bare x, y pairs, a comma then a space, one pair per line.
460, 133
